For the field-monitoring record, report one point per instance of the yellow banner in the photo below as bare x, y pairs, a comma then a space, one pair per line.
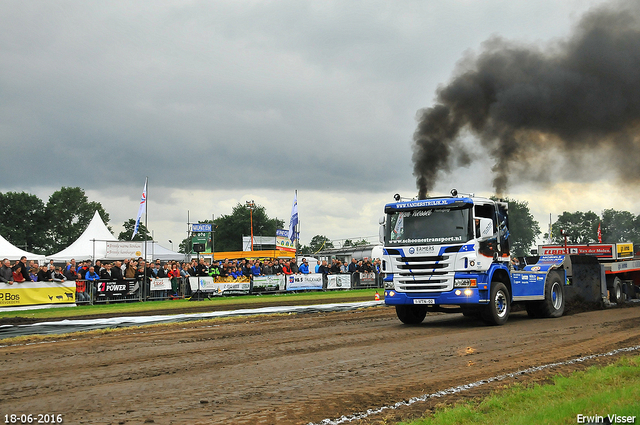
34, 293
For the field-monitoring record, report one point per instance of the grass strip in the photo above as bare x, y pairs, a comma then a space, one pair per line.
598, 393
178, 305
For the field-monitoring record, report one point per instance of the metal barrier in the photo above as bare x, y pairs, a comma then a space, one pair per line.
133, 290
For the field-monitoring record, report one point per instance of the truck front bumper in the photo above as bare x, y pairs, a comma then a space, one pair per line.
457, 296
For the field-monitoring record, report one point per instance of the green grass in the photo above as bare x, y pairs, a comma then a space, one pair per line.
178, 305
613, 389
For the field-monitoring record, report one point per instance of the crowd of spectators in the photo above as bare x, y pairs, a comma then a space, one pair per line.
85, 273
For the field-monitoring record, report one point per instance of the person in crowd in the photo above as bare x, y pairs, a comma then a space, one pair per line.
21, 268
155, 270
324, 268
143, 275
246, 268
92, 278
71, 263
33, 274
202, 269
235, 273
116, 271
71, 273
335, 266
91, 274
267, 269
277, 267
132, 270
97, 267
318, 265
294, 266
57, 275
174, 275
344, 268
44, 274
6, 272
84, 268
124, 266
50, 266
304, 267
286, 269
106, 272
256, 270
353, 266
214, 270
367, 267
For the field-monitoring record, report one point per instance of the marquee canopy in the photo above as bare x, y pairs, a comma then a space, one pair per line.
12, 252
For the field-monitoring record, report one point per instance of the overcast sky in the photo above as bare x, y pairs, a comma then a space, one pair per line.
219, 102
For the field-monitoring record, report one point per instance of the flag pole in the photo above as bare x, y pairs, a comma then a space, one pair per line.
146, 217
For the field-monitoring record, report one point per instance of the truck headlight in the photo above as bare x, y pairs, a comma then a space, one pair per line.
465, 283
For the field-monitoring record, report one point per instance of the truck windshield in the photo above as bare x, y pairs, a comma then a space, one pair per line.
434, 226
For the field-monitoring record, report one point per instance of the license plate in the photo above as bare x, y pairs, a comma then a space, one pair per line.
425, 301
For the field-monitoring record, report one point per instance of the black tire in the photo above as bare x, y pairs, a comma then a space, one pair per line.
497, 312
615, 292
411, 314
553, 304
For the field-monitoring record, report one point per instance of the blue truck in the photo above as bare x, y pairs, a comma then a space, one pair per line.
452, 253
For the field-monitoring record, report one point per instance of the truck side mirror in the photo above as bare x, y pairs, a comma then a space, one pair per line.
381, 230
484, 227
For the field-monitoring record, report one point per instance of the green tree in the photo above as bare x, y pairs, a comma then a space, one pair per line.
580, 227
230, 228
361, 242
68, 213
620, 226
523, 228
22, 221
129, 225
319, 242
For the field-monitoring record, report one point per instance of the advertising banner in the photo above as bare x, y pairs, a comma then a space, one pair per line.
119, 250
269, 283
283, 242
34, 293
207, 284
301, 282
160, 284
119, 288
339, 281
598, 250
368, 279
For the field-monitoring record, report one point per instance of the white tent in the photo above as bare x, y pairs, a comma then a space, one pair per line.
157, 252
90, 245
12, 252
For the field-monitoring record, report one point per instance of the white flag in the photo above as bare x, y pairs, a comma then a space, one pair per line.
142, 209
294, 218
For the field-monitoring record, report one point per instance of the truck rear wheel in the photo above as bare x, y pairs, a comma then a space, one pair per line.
615, 292
411, 314
497, 312
553, 304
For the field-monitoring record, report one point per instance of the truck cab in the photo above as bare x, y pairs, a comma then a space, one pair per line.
452, 251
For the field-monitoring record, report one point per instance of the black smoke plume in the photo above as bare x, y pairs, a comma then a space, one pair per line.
573, 98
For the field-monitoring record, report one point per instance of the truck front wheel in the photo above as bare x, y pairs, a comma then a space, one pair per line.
497, 312
411, 314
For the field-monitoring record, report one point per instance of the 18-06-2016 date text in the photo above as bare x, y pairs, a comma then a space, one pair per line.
39, 418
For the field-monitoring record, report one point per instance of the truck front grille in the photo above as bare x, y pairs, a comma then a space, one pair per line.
423, 274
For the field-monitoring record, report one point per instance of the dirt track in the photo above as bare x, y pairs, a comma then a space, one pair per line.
292, 369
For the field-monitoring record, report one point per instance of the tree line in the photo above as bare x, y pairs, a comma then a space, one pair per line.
582, 227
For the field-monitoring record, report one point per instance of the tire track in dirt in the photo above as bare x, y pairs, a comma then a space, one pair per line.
288, 369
